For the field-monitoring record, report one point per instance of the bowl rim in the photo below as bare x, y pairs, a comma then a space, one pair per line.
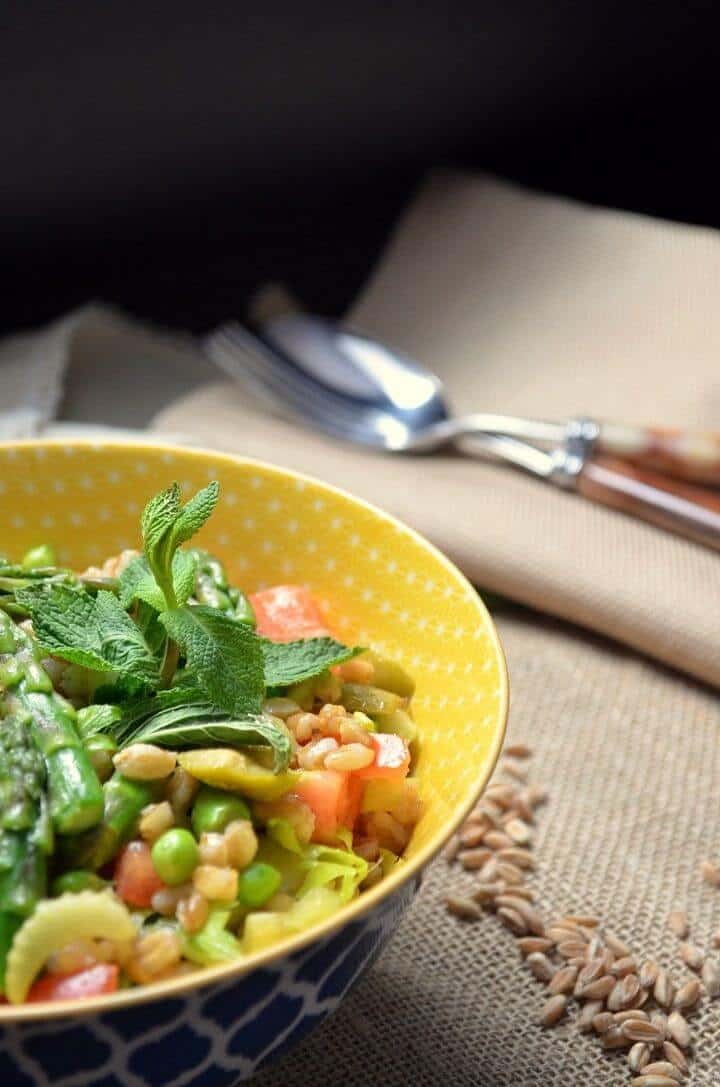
368, 900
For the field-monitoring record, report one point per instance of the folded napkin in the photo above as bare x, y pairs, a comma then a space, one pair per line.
532, 305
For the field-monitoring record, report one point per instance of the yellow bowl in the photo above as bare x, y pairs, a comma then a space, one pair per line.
382, 585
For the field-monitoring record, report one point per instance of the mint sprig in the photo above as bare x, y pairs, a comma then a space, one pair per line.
286, 663
166, 524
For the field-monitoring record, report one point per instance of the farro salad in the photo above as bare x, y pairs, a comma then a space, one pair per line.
187, 774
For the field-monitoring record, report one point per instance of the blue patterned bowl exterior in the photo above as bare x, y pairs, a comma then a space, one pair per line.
214, 1036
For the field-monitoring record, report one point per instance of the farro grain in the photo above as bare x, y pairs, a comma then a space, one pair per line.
145, 762
471, 836
530, 945
599, 989
710, 873
464, 908
350, 757
518, 751
660, 1020
603, 1022
563, 980
638, 1056
640, 1030
514, 770
581, 920
519, 831
486, 893
553, 1010
675, 1056
531, 917
679, 1029
692, 956
192, 912
688, 995
678, 924
474, 859
622, 967
496, 839
519, 890
155, 819
510, 872
490, 871
540, 966
711, 978
452, 849
521, 858
587, 1014
653, 1081
569, 949
630, 1013
662, 1068
512, 920
523, 809
616, 945
615, 1039
664, 989
648, 973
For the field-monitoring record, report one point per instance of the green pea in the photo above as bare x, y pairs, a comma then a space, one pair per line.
214, 809
79, 879
38, 556
175, 856
257, 884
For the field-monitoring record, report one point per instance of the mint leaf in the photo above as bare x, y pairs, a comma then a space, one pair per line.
92, 720
137, 581
94, 632
165, 525
225, 656
290, 662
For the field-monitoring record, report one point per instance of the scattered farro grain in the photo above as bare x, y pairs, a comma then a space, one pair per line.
675, 1056
474, 859
192, 912
515, 770
622, 967
630, 1013
464, 908
648, 973
660, 1020
711, 978
145, 762
608, 959
540, 966
536, 795
496, 839
519, 831
678, 923
679, 1029
563, 980
615, 1039
599, 989
561, 933
664, 989
523, 808
569, 949
530, 945
452, 849
618, 948
662, 1068
553, 1010
592, 970
241, 841
638, 1056
512, 920
688, 995
533, 920
594, 947
472, 836
521, 858
587, 1014
490, 871
518, 751
602, 1022
582, 920
155, 819
640, 1030
710, 873
510, 872
486, 893
518, 890
692, 956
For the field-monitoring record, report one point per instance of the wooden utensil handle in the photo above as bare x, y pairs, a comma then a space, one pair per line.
687, 454
678, 507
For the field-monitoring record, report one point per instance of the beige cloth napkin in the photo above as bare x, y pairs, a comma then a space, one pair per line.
535, 305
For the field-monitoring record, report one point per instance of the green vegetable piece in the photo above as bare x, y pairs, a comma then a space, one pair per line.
9, 925
38, 557
213, 943
76, 880
369, 700
399, 722
23, 886
100, 749
391, 676
258, 883
165, 525
75, 794
123, 802
214, 809
175, 856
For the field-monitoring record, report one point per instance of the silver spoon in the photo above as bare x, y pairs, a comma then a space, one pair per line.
359, 390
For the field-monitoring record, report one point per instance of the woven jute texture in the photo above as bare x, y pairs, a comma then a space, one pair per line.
631, 756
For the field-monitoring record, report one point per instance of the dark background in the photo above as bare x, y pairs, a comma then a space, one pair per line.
172, 156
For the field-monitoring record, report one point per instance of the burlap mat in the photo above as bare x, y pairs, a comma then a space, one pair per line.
631, 755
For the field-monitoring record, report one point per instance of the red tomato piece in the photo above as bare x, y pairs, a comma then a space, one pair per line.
136, 880
392, 758
95, 980
356, 788
327, 793
287, 612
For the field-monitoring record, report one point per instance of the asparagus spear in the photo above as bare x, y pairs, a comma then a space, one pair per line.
213, 588
75, 797
123, 802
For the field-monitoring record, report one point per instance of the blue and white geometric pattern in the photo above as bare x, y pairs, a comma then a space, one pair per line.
214, 1037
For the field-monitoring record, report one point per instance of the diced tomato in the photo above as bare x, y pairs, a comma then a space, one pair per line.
95, 980
287, 612
356, 788
327, 793
136, 880
392, 757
